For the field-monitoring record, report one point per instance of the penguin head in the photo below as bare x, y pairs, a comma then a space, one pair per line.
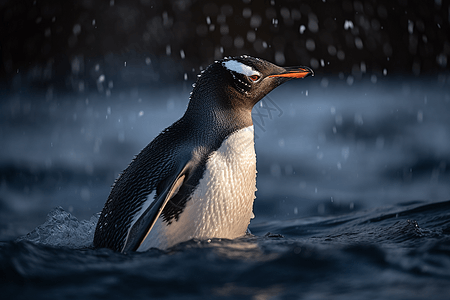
236, 84
250, 79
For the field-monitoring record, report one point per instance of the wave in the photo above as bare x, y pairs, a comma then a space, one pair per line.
401, 251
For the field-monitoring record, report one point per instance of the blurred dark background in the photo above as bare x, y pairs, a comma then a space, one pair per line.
74, 45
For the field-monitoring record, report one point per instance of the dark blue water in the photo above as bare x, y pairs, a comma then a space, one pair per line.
398, 252
352, 202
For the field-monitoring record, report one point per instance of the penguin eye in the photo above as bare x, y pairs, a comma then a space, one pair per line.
254, 77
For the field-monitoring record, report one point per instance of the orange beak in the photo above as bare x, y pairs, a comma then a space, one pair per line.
295, 72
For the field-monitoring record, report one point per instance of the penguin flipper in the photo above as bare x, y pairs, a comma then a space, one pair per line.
142, 227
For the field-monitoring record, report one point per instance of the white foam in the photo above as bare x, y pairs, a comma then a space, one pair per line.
240, 68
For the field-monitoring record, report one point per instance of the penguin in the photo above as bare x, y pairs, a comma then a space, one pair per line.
197, 178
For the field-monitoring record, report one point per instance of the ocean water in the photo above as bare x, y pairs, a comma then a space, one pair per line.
397, 252
353, 196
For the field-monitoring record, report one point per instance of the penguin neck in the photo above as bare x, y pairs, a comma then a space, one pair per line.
219, 106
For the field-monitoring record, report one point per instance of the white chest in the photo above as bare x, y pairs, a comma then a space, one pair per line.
222, 204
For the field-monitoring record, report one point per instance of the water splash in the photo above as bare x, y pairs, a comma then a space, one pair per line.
61, 229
